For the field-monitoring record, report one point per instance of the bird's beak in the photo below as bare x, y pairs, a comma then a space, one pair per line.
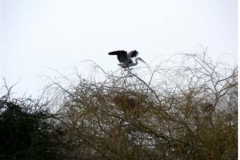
142, 60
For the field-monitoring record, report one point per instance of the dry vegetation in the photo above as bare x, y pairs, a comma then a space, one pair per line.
183, 111
186, 111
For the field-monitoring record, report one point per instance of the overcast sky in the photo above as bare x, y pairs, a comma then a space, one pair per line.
60, 34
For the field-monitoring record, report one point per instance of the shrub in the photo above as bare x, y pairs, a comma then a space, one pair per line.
180, 111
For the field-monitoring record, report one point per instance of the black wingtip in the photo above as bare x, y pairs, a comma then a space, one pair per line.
134, 53
112, 53
117, 52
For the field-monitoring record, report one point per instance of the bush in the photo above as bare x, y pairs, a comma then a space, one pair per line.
25, 129
186, 111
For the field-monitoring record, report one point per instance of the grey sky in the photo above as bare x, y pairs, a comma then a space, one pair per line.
59, 34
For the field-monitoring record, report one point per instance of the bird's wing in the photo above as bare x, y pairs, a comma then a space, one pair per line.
121, 54
132, 54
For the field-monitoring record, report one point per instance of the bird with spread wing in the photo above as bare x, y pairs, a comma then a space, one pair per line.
125, 58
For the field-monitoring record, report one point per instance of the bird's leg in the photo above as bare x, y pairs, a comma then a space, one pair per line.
129, 74
127, 69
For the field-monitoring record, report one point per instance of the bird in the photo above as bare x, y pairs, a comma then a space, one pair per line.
125, 58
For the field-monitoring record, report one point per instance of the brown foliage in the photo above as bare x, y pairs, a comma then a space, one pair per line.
182, 112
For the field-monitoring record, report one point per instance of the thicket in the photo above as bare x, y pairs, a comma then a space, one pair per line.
26, 129
178, 110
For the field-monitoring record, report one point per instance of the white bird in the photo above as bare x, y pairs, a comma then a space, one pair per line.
125, 58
